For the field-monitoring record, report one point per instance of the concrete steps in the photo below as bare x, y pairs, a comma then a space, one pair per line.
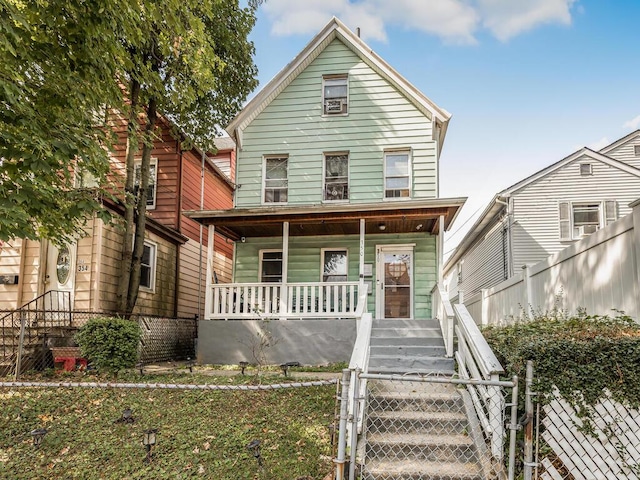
418, 431
408, 345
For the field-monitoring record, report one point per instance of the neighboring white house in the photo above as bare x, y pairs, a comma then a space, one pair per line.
545, 213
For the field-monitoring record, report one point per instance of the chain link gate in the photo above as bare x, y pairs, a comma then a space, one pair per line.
434, 428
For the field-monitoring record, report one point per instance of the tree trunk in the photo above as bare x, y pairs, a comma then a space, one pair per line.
141, 207
133, 126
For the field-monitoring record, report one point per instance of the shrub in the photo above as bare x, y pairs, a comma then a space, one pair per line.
111, 344
582, 355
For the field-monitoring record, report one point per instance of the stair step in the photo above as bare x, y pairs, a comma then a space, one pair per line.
405, 364
390, 470
410, 350
427, 423
406, 323
407, 341
406, 332
418, 447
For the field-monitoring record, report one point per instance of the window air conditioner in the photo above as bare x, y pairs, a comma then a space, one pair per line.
584, 230
333, 106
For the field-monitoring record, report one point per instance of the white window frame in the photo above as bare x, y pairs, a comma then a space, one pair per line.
636, 150
261, 259
335, 78
153, 257
409, 175
322, 255
265, 158
586, 169
137, 167
605, 216
324, 176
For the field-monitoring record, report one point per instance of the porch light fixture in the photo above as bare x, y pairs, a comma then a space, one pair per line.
419, 226
38, 434
149, 440
243, 366
382, 227
254, 448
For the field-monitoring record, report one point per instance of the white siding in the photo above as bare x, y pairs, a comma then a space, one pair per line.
536, 234
626, 152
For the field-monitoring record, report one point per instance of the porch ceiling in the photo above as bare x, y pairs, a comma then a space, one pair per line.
340, 219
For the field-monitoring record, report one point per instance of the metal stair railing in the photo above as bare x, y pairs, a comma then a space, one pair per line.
26, 325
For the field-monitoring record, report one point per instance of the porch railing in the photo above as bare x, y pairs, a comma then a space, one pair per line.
298, 300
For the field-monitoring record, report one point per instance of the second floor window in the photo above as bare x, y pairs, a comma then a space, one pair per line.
276, 186
397, 178
151, 192
579, 219
336, 176
148, 267
334, 95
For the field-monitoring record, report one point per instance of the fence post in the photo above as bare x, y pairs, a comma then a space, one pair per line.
342, 431
484, 294
528, 295
23, 321
514, 428
354, 423
528, 427
636, 241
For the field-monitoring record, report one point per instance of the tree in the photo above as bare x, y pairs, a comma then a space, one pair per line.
58, 63
63, 61
190, 60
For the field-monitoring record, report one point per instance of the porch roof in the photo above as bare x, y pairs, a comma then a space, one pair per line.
333, 219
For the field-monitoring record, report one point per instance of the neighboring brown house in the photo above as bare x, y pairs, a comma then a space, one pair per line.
173, 275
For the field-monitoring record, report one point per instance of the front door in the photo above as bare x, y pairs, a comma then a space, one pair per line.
394, 274
60, 276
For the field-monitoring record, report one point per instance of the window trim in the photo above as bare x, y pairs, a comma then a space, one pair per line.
264, 177
397, 151
153, 267
333, 249
336, 76
636, 150
324, 176
138, 165
583, 169
603, 218
261, 253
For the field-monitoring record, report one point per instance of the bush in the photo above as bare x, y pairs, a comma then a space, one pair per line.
583, 356
111, 344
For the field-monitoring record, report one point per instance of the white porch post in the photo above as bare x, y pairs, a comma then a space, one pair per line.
284, 289
208, 296
361, 267
440, 250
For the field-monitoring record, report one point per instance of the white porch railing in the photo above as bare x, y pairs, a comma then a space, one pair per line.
299, 300
443, 311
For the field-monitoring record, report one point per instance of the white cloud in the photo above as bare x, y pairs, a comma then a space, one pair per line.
508, 18
454, 21
632, 124
599, 145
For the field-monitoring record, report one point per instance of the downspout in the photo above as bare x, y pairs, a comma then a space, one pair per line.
176, 293
23, 258
507, 201
201, 237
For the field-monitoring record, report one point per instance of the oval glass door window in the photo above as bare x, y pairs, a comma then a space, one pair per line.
63, 265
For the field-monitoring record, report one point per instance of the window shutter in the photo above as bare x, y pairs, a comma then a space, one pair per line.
565, 221
610, 214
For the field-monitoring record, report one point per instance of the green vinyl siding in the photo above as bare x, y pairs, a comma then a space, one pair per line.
305, 254
379, 118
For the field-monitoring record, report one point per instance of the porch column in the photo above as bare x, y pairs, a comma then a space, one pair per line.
440, 250
284, 289
208, 295
361, 267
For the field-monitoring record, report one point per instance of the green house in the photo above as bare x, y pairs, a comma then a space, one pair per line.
337, 209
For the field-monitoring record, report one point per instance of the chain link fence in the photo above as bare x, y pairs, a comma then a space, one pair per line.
39, 338
430, 430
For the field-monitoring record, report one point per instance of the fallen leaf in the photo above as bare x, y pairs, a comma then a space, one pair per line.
201, 470
196, 450
64, 451
206, 445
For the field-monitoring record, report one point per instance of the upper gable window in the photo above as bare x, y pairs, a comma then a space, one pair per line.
397, 174
335, 99
276, 184
636, 150
336, 176
586, 169
137, 177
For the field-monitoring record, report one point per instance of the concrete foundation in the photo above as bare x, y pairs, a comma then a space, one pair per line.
310, 342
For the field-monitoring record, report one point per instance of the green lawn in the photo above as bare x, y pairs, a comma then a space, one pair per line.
202, 434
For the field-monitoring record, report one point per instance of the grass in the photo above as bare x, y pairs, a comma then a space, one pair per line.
202, 434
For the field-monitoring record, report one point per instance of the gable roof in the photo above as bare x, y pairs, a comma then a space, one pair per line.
335, 29
620, 141
496, 205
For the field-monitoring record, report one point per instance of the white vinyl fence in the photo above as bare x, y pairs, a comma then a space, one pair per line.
598, 273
